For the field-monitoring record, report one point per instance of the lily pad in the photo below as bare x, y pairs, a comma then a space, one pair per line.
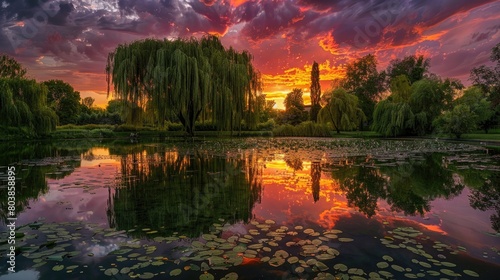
471, 273
58, 267
111, 271
206, 276
175, 272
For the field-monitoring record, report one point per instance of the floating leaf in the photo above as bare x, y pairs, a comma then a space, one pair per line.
111, 271
58, 267
293, 260
206, 276
276, 261
175, 272
382, 265
230, 276
471, 273
146, 275
345, 239
340, 266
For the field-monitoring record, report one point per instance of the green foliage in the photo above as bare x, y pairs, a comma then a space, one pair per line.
400, 89
267, 126
10, 68
428, 99
488, 79
393, 118
88, 102
294, 108
188, 79
305, 129
64, 100
471, 110
363, 80
413, 67
342, 111
315, 92
457, 122
24, 103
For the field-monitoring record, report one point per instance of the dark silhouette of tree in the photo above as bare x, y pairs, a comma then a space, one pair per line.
315, 179
315, 92
10, 68
414, 67
294, 107
187, 78
363, 80
64, 100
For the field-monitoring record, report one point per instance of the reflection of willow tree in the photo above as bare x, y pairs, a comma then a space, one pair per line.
363, 186
185, 192
487, 197
315, 178
32, 184
414, 185
408, 187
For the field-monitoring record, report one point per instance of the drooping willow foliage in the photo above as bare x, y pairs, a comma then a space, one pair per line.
23, 103
188, 79
342, 111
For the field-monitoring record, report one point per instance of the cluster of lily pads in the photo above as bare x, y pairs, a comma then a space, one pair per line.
301, 252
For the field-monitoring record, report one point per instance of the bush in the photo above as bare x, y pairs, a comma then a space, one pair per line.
174, 126
305, 129
102, 132
266, 126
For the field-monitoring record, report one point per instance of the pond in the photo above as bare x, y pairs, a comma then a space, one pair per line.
255, 208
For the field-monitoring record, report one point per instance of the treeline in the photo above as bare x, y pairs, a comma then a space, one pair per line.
37, 108
403, 100
200, 85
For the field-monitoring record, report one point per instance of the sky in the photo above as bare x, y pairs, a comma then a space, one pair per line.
70, 40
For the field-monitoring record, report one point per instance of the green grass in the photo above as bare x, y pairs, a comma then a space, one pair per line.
482, 136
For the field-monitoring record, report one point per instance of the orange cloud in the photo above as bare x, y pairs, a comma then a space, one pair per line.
237, 3
277, 86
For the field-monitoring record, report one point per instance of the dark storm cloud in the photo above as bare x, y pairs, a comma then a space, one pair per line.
273, 18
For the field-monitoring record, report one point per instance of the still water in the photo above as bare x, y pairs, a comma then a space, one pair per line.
253, 209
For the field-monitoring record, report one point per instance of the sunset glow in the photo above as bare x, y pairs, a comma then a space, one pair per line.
285, 37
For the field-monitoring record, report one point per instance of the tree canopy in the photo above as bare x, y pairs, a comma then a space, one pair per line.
294, 108
187, 78
10, 68
364, 80
342, 111
315, 92
24, 103
64, 100
414, 67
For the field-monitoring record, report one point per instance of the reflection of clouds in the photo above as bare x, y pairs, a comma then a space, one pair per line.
22, 275
103, 248
328, 218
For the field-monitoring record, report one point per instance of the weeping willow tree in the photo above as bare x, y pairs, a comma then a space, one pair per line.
23, 103
342, 111
393, 118
186, 79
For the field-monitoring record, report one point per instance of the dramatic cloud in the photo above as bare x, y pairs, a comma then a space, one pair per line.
70, 40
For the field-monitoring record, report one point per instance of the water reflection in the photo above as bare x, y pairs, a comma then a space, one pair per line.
487, 197
183, 191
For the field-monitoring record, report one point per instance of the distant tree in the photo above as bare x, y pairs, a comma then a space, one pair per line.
10, 68
88, 102
429, 98
315, 92
479, 105
115, 106
266, 108
363, 79
64, 100
414, 67
411, 110
488, 79
458, 121
294, 108
342, 111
